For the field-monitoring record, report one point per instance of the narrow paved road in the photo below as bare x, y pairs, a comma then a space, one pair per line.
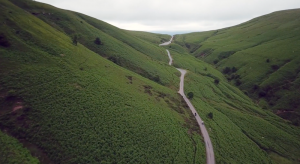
210, 157
167, 43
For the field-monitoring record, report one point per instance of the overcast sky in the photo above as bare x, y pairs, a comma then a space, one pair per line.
174, 16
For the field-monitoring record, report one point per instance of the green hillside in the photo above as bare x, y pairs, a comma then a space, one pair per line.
260, 56
69, 97
13, 152
79, 107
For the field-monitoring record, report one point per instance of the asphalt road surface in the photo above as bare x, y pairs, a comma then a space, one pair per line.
210, 157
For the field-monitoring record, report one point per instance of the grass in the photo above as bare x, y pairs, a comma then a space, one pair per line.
117, 102
237, 120
151, 37
13, 152
79, 107
255, 48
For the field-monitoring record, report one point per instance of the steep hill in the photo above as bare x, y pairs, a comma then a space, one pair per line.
260, 56
78, 107
79, 90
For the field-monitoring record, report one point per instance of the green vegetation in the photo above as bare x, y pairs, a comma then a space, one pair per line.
11, 151
98, 41
190, 95
237, 121
265, 52
78, 107
210, 115
151, 37
116, 101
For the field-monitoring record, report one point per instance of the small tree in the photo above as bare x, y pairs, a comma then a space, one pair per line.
210, 115
216, 81
97, 41
216, 61
226, 70
190, 95
3, 41
75, 40
233, 69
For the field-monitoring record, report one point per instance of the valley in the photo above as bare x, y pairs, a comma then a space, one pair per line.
75, 89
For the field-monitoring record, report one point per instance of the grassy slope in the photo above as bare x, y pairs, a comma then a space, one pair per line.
81, 108
241, 132
151, 37
119, 46
265, 52
13, 152
82, 89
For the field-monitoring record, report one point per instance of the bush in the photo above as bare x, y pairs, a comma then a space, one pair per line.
156, 79
216, 61
238, 82
233, 69
255, 87
210, 115
268, 60
216, 81
75, 40
262, 94
275, 67
190, 95
3, 41
98, 41
226, 70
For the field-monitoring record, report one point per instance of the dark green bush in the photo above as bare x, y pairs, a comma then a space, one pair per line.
216, 61
216, 81
238, 82
210, 115
233, 69
98, 41
190, 95
275, 67
75, 40
226, 70
3, 41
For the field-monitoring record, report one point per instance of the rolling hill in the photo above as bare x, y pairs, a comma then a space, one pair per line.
74, 89
260, 56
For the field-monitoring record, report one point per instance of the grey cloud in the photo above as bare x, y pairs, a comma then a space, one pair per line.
163, 12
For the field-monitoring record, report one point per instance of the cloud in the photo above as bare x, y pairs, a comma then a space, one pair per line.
184, 15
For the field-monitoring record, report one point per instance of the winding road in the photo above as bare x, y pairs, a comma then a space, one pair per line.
210, 157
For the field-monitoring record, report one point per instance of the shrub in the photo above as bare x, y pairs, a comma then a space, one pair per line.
156, 79
226, 70
238, 82
216, 81
275, 67
255, 87
190, 95
3, 41
97, 41
216, 61
268, 60
262, 94
210, 115
233, 69
75, 40
224, 55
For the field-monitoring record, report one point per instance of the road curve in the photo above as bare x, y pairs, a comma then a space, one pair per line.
210, 157
167, 43
170, 57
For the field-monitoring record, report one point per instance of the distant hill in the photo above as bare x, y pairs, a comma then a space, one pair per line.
260, 56
74, 89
